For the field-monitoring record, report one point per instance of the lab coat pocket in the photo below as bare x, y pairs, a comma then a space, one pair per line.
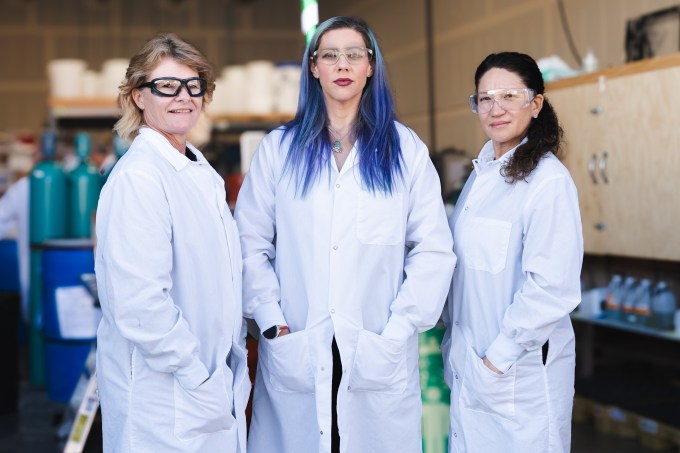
379, 365
288, 361
380, 218
486, 391
487, 244
206, 409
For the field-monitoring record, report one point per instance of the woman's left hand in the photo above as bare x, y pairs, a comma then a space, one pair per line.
490, 366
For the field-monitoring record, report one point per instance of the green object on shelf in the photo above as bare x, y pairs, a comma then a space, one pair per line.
435, 393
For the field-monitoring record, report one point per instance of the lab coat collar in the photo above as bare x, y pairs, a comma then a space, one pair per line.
163, 146
487, 156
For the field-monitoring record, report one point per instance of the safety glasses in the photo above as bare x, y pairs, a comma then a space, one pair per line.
508, 99
171, 86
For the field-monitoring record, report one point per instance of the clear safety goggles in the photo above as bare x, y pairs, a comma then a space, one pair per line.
509, 99
354, 55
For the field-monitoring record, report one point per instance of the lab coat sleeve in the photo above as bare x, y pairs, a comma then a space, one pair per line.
10, 204
429, 261
135, 235
255, 216
551, 264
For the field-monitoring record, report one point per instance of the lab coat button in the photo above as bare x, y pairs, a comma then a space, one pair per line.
337, 186
456, 376
332, 310
349, 387
467, 207
455, 434
335, 247
323, 369
321, 432
456, 323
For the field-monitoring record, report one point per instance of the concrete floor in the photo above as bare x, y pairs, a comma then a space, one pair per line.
34, 430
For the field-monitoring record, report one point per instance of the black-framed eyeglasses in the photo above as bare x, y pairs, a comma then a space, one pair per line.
171, 86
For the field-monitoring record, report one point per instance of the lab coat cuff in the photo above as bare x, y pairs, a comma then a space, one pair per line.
267, 315
398, 328
503, 352
193, 375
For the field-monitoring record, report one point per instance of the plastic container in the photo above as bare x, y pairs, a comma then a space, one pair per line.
643, 303
628, 296
664, 305
612, 305
66, 77
590, 62
63, 262
64, 362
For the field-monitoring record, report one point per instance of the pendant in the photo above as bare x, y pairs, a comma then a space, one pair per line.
337, 146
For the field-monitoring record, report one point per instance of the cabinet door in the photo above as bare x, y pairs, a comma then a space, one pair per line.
641, 202
580, 110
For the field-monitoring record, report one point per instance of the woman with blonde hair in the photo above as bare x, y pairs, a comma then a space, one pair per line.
171, 362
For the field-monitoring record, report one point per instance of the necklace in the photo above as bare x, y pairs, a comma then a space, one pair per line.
336, 145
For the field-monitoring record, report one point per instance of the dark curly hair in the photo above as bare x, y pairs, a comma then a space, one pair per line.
545, 133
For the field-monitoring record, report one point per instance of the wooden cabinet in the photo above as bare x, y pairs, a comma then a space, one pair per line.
622, 133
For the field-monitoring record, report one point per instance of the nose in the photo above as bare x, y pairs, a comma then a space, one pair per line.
342, 62
183, 92
494, 111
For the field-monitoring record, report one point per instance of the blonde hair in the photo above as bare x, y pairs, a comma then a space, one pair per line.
143, 63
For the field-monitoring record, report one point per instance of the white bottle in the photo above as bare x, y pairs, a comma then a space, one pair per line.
590, 63
612, 303
628, 295
663, 307
643, 302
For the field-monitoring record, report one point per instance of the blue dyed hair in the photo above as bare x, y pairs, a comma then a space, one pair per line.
378, 146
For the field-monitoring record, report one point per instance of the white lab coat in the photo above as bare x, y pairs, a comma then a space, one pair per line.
371, 269
14, 215
171, 362
520, 250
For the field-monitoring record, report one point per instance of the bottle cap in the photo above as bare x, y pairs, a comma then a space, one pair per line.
48, 144
82, 145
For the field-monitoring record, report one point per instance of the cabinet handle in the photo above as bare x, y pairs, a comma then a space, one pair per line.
597, 110
603, 167
600, 226
591, 168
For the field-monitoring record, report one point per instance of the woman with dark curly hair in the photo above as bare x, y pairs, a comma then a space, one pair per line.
509, 347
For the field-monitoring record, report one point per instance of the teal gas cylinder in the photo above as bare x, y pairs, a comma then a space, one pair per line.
47, 219
84, 184
48, 195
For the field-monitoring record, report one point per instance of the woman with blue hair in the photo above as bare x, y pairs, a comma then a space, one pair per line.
346, 257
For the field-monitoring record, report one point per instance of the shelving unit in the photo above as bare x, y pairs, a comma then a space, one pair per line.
621, 325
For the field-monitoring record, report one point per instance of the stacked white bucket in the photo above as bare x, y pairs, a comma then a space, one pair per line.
70, 78
256, 88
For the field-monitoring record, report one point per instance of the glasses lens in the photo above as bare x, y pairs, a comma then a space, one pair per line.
196, 86
507, 99
353, 55
171, 86
168, 87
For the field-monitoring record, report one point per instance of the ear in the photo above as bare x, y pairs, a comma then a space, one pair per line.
137, 97
314, 70
369, 73
536, 105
